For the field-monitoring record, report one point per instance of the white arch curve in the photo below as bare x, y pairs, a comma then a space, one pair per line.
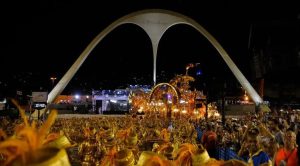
154, 22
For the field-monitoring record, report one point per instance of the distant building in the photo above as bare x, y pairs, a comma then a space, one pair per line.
114, 100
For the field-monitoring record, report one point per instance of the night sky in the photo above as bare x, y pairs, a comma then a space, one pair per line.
43, 38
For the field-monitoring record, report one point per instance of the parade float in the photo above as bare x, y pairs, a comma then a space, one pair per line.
173, 99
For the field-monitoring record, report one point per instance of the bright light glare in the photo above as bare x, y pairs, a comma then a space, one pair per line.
77, 96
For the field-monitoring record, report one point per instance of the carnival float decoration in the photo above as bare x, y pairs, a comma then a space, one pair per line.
32, 144
172, 100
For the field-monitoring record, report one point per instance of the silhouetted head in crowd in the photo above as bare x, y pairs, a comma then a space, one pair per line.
252, 142
210, 126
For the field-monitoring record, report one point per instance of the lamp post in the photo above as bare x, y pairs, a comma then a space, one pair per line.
52, 79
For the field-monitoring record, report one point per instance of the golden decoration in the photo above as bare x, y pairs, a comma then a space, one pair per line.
148, 158
27, 145
124, 157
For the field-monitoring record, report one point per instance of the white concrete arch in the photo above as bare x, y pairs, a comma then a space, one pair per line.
154, 22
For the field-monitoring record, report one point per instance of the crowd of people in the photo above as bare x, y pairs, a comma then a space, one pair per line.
258, 139
265, 138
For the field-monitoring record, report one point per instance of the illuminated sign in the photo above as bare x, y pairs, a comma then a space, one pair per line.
39, 105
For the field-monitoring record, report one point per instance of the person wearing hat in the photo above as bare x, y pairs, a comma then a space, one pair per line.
251, 151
